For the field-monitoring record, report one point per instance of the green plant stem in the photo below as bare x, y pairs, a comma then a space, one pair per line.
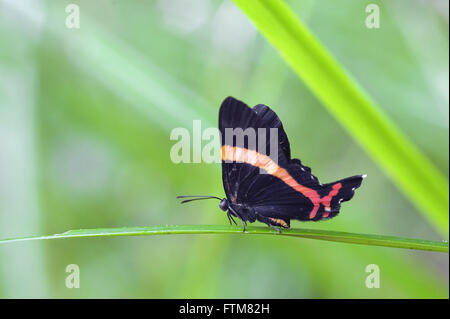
409, 168
344, 237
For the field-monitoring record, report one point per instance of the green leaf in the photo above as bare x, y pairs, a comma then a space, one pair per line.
344, 237
410, 170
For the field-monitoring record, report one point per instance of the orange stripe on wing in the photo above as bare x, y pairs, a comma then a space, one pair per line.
243, 155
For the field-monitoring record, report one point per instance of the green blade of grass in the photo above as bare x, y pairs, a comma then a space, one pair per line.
410, 170
344, 237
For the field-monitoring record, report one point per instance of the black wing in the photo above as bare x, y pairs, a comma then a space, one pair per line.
234, 114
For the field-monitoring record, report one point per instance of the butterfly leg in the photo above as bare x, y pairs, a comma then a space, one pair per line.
238, 216
243, 225
230, 218
276, 228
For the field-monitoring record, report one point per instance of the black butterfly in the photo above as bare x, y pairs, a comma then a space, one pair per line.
270, 188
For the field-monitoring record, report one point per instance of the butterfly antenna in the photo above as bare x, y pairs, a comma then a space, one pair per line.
196, 197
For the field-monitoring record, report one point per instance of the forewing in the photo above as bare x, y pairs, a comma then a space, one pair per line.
235, 114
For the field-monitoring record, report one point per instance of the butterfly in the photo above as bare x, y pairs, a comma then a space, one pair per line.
261, 180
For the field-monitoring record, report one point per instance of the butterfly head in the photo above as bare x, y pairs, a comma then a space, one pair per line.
224, 205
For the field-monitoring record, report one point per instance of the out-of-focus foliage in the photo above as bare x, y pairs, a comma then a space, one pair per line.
85, 121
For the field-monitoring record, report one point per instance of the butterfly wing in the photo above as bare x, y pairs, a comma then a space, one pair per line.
287, 198
271, 120
235, 114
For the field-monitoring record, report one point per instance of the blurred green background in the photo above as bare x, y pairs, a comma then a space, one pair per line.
85, 120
